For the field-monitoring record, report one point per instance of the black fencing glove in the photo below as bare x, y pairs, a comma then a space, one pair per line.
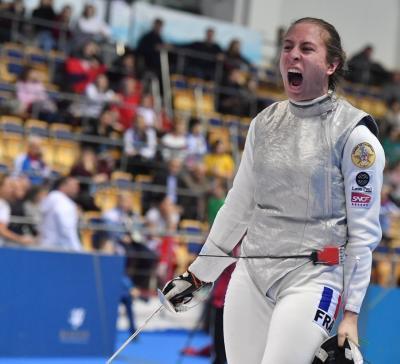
186, 291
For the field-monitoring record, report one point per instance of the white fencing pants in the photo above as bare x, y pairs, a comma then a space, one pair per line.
258, 330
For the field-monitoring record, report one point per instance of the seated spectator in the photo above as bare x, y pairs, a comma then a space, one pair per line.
196, 142
126, 236
44, 32
171, 179
123, 67
31, 163
59, 227
140, 146
129, 101
207, 52
93, 170
219, 163
32, 95
215, 202
162, 222
6, 197
235, 97
196, 180
21, 187
98, 95
83, 68
174, 143
146, 110
233, 58
12, 29
105, 127
62, 31
91, 27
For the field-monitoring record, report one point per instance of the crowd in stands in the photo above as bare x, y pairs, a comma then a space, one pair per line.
175, 169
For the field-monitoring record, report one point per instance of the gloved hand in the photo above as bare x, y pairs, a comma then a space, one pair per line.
182, 289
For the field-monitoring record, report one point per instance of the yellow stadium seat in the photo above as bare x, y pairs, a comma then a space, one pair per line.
65, 153
184, 100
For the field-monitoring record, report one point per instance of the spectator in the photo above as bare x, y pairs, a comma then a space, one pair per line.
90, 27
12, 29
32, 95
149, 46
98, 95
235, 96
31, 164
123, 67
59, 227
174, 144
233, 58
363, 70
215, 202
140, 146
83, 69
207, 52
146, 110
34, 198
196, 142
127, 238
219, 163
162, 221
194, 207
392, 116
62, 31
46, 14
171, 179
105, 127
389, 211
94, 171
6, 196
21, 186
129, 291
391, 90
129, 101
391, 146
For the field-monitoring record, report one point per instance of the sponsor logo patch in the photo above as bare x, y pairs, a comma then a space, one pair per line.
363, 155
362, 179
360, 199
328, 309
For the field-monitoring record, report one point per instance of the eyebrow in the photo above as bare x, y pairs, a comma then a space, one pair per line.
306, 43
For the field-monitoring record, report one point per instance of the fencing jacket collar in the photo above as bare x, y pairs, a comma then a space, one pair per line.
305, 109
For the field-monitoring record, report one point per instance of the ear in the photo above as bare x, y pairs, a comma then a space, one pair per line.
332, 67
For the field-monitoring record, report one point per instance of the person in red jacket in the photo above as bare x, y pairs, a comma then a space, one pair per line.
83, 70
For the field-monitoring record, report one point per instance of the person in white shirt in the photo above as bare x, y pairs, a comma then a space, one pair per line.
309, 179
92, 26
59, 226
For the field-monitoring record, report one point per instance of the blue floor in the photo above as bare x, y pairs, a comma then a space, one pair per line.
161, 347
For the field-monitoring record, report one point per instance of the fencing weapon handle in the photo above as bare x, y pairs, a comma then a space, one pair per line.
136, 333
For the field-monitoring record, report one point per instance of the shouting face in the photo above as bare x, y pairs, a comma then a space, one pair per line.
303, 63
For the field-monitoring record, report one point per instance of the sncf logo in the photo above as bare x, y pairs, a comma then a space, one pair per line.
358, 197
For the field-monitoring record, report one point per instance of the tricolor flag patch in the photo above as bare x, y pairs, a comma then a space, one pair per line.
328, 309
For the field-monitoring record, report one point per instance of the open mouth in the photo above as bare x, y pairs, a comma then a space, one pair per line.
295, 78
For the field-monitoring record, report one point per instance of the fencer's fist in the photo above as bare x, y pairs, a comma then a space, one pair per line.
348, 328
181, 290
